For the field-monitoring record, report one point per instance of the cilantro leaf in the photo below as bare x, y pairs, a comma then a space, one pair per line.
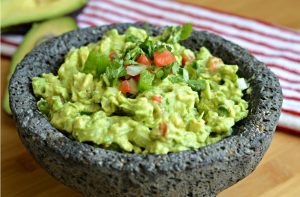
171, 34
199, 65
184, 73
148, 47
145, 81
115, 70
166, 71
130, 62
132, 54
186, 31
183, 76
196, 85
174, 34
175, 79
131, 38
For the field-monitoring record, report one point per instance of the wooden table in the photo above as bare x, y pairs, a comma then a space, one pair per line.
277, 175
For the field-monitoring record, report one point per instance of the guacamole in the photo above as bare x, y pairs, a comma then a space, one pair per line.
143, 94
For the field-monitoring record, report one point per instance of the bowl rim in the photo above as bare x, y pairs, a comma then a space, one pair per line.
251, 135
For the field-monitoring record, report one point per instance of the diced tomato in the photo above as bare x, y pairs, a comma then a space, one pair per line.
112, 55
125, 87
157, 98
143, 59
164, 58
163, 128
214, 63
186, 58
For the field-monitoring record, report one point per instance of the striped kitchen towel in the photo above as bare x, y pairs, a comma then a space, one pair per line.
278, 47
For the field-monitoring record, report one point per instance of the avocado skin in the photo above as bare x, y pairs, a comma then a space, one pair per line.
37, 34
14, 13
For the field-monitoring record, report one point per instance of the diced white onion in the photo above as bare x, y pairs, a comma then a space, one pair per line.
242, 83
135, 70
133, 86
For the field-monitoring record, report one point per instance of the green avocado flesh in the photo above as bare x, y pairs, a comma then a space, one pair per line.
37, 34
15, 12
142, 94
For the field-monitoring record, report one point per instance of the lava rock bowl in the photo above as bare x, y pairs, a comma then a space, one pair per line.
99, 172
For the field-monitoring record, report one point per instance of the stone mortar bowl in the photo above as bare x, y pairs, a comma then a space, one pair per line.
98, 172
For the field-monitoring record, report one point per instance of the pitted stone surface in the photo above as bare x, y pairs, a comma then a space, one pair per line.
98, 172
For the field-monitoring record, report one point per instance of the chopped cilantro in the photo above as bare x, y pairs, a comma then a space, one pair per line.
145, 81
148, 46
174, 34
132, 54
196, 85
186, 31
175, 79
115, 70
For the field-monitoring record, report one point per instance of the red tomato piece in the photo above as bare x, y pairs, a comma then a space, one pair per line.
164, 58
143, 59
125, 87
163, 128
157, 98
186, 58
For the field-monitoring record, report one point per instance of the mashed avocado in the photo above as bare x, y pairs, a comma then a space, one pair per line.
143, 94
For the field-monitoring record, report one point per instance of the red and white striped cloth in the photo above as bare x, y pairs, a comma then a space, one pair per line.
278, 47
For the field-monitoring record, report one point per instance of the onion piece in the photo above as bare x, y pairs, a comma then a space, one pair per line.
135, 70
242, 84
133, 86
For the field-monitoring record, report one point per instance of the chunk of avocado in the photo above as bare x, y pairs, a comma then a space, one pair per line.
16, 12
37, 34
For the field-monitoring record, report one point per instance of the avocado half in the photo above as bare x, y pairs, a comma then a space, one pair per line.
36, 35
15, 12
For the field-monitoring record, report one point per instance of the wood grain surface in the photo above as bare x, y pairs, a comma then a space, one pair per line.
278, 174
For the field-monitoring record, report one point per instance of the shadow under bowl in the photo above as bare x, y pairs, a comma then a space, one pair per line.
98, 172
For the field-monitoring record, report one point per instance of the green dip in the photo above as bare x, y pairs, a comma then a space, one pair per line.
143, 94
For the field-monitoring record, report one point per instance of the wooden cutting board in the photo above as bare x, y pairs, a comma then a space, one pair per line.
277, 175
